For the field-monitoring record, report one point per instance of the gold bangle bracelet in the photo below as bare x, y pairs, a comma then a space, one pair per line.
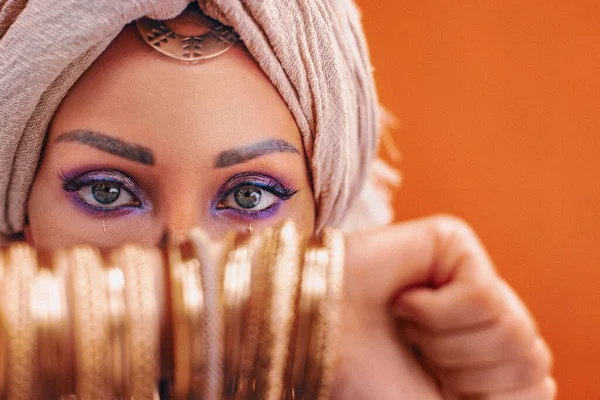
251, 317
312, 292
188, 316
318, 329
193, 296
317, 325
139, 268
212, 257
285, 273
50, 313
255, 317
181, 332
237, 290
333, 241
91, 324
63, 329
20, 329
118, 330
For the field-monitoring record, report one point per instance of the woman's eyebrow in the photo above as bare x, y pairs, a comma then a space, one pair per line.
240, 155
118, 147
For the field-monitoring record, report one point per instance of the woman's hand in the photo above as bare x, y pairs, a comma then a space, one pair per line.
430, 283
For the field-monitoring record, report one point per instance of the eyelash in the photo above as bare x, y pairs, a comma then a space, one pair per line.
277, 189
247, 179
266, 183
75, 183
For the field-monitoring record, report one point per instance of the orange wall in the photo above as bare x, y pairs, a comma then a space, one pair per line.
498, 105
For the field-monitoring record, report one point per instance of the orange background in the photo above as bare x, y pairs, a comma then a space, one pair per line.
498, 105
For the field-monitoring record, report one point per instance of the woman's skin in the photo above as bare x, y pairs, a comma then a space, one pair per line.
174, 126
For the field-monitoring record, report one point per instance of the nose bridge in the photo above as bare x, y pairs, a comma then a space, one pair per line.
182, 210
177, 227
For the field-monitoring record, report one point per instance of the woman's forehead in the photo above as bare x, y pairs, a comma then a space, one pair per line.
138, 94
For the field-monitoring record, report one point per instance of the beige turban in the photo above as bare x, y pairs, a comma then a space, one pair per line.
313, 51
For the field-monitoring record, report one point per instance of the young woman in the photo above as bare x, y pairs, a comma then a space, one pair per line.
119, 129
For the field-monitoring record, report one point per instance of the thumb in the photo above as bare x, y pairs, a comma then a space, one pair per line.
433, 271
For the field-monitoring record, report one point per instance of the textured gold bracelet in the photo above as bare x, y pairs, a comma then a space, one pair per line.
180, 329
212, 257
91, 324
285, 272
313, 288
139, 268
64, 328
255, 316
118, 331
50, 311
237, 289
252, 317
188, 317
333, 241
317, 324
193, 295
16, 316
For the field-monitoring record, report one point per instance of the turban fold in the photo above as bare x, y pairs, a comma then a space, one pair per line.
313, 51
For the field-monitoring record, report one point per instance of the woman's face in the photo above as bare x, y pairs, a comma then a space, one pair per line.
144, 145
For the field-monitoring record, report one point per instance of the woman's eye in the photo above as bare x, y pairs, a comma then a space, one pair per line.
106, 194
249, 198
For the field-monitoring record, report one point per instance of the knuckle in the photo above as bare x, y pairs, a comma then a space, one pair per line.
514, 336
543, 354
458, 244
448, 224
526, 374
482, 299
549, 389
533, 368
545, 389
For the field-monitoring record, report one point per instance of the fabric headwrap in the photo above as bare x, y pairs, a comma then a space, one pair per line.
313, 51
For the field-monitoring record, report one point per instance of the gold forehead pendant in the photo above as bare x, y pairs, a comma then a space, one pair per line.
216, 41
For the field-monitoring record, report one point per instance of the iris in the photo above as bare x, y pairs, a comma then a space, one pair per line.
248, 197
106, 192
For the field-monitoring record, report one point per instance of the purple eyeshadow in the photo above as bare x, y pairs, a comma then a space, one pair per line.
76, 180
243, 215
261, 181
265, 182
120, 211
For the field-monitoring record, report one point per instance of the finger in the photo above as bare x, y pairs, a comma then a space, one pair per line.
383, 264
457, 306
512, 375
462, 289
499, 342
477, 300
545, 390
514, 303
507, 338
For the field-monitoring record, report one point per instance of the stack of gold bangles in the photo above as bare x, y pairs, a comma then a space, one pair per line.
250, 317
